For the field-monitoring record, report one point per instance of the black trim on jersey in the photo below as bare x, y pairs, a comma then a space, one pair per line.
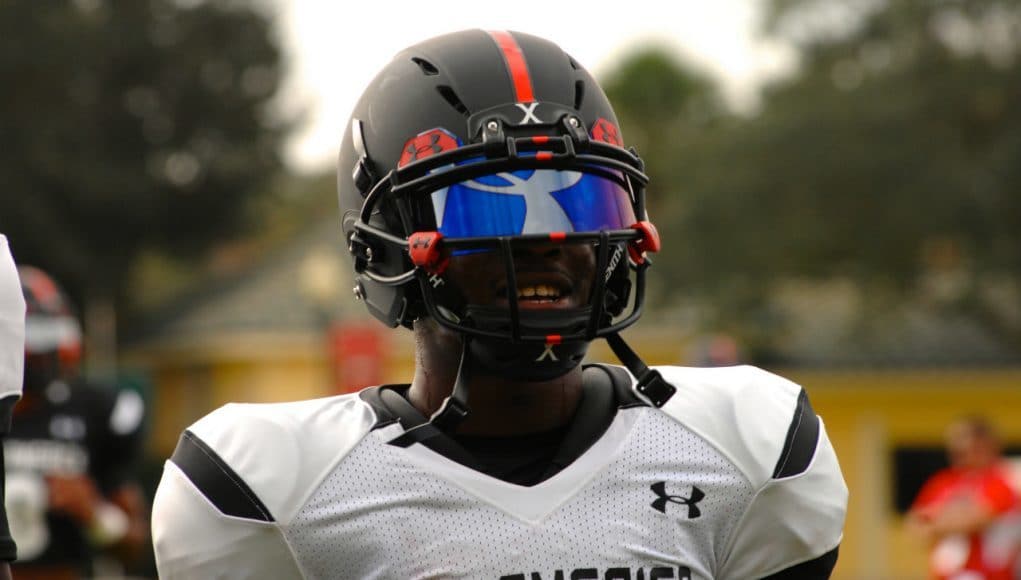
605, 389
392, 406
802, 438
623, 386
6, 412
385, 416
817, 569
8, 550
217, 481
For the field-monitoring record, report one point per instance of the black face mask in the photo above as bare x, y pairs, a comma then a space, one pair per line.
40, 371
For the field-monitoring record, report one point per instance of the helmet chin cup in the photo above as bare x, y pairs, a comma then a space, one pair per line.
532, 360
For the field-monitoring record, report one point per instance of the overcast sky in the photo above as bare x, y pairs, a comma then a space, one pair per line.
334, 48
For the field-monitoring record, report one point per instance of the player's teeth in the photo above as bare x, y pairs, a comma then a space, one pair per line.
538, 291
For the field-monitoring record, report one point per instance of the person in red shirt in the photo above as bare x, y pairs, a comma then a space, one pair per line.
969, 512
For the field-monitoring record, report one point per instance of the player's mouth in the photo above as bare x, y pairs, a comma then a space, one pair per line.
551, 292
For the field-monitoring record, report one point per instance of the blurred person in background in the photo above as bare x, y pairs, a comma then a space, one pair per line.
12, 360
968, 513
71, 451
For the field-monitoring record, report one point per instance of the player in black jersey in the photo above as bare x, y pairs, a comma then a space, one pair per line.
12, 360
71, 450
489, 205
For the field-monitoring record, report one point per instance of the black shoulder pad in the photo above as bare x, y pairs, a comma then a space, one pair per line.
618, 379
217, 481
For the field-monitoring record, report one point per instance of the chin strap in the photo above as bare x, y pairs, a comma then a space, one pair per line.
651, 384
455, 407
450, 414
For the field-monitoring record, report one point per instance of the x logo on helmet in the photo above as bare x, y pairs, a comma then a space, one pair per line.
547, 354
529, 111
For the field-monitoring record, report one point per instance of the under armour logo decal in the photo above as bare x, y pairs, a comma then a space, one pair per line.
427, 144
436, 281
659, 488
543, 213
606, 132
548, 353
529, 111
415, 149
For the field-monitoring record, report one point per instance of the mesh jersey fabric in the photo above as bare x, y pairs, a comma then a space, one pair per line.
663, 493
433, 528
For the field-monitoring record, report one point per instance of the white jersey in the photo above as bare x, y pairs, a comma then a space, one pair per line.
12, 325
733, 478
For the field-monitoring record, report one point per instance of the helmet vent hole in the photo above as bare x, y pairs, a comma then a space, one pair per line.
579, 94
574, 63
427, 67
451, 97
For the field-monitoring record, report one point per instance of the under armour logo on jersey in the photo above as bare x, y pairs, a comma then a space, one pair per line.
529, 111
659, 488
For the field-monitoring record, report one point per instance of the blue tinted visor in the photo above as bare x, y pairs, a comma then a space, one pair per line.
533, 201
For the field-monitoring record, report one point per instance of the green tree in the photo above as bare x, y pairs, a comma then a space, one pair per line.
131, 126
888, 162
890, 159
664, 106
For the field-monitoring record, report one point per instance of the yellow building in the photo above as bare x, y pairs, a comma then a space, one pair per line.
260, 338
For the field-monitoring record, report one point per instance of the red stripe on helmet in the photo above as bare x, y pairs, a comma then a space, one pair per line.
516, 65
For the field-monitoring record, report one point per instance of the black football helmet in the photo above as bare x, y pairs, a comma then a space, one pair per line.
53, 336
493, 142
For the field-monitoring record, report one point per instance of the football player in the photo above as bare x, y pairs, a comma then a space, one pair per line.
968, 512
70, 452
489, 205
12, 360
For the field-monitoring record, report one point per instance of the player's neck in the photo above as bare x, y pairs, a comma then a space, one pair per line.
500, 406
